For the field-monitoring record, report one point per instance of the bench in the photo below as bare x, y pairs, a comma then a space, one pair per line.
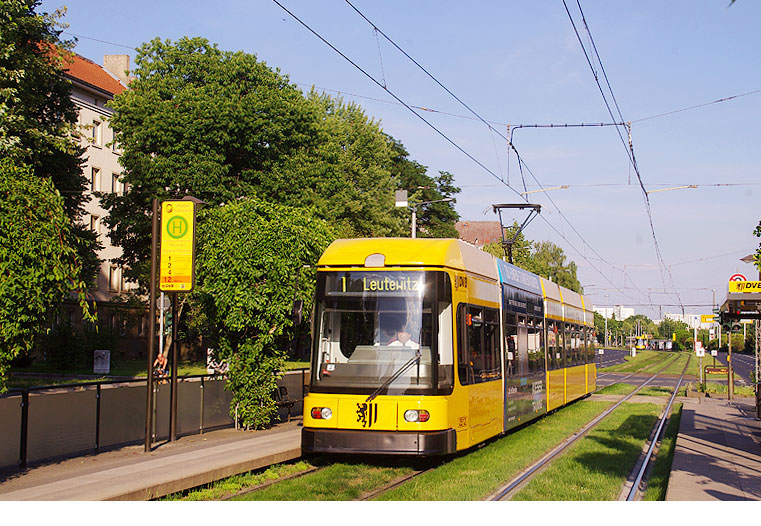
280, 395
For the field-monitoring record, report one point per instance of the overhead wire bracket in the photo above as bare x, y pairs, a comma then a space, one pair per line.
534, 211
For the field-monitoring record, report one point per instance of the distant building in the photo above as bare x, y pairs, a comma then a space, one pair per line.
692, 320
619, 311
92, 87
479, 233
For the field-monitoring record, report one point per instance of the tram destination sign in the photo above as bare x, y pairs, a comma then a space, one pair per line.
382, 283
177, 270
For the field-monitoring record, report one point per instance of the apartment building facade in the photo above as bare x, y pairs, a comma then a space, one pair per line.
92, 87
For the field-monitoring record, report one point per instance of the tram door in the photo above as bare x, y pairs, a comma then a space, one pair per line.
524, 370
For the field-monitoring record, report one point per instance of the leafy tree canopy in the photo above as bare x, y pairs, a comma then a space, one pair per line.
38, 259
249, 272
543, 258
37, 115
437, 219
222, 125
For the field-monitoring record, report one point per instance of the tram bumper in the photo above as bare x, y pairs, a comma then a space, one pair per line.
428, 443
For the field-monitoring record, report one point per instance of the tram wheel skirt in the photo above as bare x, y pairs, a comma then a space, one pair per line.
378, 442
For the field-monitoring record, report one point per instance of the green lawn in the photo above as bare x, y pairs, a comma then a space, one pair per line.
236, 483
597, 466
645, 361
479, 473
617, 389
339, 481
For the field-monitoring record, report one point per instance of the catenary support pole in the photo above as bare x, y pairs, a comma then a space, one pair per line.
730, 371
151, 326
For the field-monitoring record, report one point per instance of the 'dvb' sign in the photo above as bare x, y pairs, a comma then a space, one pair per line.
177, 246
745, 286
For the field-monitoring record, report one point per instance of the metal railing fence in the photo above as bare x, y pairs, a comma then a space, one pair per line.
46, 422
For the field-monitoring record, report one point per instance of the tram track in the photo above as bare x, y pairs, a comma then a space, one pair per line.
513, 486
393, 484
636, 491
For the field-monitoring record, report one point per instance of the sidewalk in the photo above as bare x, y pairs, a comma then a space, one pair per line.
131, 474
718, 451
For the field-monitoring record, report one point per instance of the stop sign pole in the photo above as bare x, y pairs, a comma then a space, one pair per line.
176, 274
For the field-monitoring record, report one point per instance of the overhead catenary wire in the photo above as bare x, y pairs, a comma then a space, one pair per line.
521, 162
457, 146
627, 148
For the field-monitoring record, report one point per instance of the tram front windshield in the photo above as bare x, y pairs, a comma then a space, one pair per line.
371, 326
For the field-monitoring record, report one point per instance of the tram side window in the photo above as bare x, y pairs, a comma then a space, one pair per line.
590, 341
511, 349
478, 352
535, 347
554, 349
571, 346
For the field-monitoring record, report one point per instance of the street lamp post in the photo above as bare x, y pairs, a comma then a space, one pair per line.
413, 207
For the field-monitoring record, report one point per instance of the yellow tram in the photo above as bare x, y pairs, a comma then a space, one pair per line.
430, 346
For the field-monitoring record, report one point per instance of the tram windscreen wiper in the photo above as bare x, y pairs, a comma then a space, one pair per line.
396, 375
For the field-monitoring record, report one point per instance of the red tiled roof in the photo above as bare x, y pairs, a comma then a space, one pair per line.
479, 233
89, 72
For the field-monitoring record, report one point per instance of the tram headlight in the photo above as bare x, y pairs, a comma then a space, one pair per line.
416, 415
321, 413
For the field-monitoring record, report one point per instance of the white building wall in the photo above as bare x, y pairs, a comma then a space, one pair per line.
102, 170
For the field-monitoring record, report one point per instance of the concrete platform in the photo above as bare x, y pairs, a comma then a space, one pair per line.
718, 451
131, 474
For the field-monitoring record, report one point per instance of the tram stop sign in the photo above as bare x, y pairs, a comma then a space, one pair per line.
177, 268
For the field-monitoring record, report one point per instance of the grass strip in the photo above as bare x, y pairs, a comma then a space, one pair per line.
717, 388
597, 466
643, 360
477, 474
222, 488
677, 366
654, 390
658, 482
335, 482
617, 389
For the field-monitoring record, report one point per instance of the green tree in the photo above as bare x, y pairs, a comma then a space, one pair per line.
522, 248
222, 125
436, 220
39, 265
549, 262
37, 115
667, 327
646, 325
249, 256
197, 120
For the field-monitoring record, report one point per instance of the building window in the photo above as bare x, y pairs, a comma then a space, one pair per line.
95, 180
96, 133
117, 186
114, 278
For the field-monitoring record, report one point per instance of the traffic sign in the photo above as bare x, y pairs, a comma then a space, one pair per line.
177, 246
708, 318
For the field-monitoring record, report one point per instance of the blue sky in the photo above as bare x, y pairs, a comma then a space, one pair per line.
520, 63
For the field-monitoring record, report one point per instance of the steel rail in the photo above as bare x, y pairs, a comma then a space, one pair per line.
521, 479
259, 487
649, 455
393, 484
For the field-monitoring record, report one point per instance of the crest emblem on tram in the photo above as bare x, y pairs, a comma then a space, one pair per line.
367, 414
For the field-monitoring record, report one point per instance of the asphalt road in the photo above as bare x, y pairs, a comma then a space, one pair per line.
744, 367
611, 357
